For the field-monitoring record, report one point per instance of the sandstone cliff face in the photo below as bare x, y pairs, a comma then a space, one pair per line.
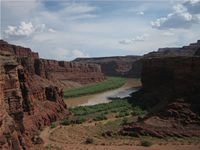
12, 131
172, 86
17, 50
114, 66
32, 92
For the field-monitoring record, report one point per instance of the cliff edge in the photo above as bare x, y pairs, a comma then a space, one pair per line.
171, 86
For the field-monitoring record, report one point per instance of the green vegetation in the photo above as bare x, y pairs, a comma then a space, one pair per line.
66, 122
89, 140
137, 111
53, 126
101, 117
117, 108
37, 132
111, 83
80, 120
114, 106
146, 143
42, 128
125, 120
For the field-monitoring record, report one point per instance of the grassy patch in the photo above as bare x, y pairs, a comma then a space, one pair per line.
89, 140
114, 106
146, 143
111, 83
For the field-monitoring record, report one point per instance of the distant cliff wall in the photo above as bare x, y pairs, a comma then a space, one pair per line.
61, 73
114, 66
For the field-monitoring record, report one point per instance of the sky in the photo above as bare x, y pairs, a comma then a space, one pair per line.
65, 30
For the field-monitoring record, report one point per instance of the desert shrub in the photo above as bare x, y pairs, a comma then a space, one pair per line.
37, 132
125, 120
120, 115
138, 111
66, 122
53, 126
101, 117
89, 140
175, 138
126, 113
42, 128
146, 143
80, 120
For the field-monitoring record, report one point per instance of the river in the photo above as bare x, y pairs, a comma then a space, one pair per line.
130, 86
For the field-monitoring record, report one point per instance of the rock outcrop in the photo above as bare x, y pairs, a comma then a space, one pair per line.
63, 74
17, 50
12, 129
32, 92
115, 66
171, 85
189, 50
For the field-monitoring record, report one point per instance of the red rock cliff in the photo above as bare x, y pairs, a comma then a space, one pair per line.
172, 86
116, 65
32, 92
17, 50
12, 130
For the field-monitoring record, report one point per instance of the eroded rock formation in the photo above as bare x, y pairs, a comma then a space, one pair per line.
32, 92
171, 85
17, 50
12, 130
116, 66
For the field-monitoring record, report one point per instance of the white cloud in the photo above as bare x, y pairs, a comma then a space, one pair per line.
51, 30
77, 53
167, 34
140, 13
66, 54
141, 38
184, 16
136, 39
61, 53
125, 41
24, 31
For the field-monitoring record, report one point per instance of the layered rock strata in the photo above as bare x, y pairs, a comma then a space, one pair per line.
17, 50
12, 129
32, 92
62, 73
172, 86
115, 66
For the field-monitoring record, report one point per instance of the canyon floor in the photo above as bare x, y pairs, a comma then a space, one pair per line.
74, 137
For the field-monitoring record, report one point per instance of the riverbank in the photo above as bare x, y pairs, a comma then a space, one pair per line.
131, 84
111, 83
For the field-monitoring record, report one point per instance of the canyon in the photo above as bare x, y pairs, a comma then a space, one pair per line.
116, 65
131, 66
32, 93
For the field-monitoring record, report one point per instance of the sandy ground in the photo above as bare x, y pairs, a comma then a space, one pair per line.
47, 131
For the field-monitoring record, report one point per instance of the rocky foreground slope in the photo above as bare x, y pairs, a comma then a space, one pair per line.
32, 92
171, 85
